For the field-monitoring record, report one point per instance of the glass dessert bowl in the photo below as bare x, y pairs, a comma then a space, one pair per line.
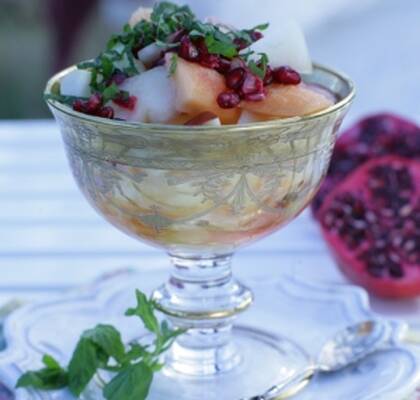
200, 193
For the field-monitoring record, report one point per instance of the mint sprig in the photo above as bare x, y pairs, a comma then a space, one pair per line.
102, 348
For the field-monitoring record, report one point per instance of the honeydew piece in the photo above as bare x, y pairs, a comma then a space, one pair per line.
142, 13
285, 44
289, 101
155, 94
197, 89
76, 83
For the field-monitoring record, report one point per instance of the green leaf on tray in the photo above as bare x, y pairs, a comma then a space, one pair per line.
132, 383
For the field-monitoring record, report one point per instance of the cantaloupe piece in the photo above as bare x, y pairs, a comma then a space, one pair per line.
142, 13
289, 101
197, 89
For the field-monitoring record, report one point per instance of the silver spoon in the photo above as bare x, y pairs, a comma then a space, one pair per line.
347, 347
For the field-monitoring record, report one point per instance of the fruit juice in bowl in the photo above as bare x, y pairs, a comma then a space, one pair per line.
193, 137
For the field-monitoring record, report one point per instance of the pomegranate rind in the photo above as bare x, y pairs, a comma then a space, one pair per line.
356, 183
375, 136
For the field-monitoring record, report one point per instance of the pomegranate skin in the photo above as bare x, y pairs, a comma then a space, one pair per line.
377, 135
371, 223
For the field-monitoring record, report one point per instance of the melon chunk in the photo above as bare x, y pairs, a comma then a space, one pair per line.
248, 117
155, 94
289, 101
197, 89
142, 13
76, 83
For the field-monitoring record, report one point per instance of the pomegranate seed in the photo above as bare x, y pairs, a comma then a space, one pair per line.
287, 76
255, 96
235, 78
225, 66
188, 50
211, 61
237, 63
129, 103
118, 77
256, 35
79, 105
241, 44
106, 112
228, 100
252, 84
94, 103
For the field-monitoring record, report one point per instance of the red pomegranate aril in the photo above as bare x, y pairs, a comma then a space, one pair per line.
188, 50
118, 77
287, 76
252, 84
269, 76
256, 35
228, 100
241, 44
211, 61
106, 112
235, 78
224, 66
255, 96
237, 63
79, 105
94, 103
129, 103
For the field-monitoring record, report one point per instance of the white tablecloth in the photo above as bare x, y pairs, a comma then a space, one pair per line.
51, 239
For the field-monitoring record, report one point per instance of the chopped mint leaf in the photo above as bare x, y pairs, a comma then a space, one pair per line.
224, 49
132, 383
174, 64
68, 100
259, 68
261, 27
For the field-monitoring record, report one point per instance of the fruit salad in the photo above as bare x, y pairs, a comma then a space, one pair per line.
168, 67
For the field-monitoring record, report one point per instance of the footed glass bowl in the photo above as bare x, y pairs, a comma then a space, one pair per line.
199, 193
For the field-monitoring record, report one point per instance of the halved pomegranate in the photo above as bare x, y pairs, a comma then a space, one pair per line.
371, 222
377, 135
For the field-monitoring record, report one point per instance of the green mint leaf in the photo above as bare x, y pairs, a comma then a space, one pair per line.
216, 46
52, 377
110, 93
85, 362
255, 69
174, 64
108, 339
133, 383
145, 311
68, 100
261, 27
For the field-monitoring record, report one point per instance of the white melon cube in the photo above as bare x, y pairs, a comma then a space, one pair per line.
155, 94
76, 83
285, 44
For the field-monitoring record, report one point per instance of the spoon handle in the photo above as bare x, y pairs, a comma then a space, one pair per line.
290, 386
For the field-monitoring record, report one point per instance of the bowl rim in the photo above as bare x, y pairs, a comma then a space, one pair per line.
164, 128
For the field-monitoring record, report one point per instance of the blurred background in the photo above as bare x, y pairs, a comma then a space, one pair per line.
376, 42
